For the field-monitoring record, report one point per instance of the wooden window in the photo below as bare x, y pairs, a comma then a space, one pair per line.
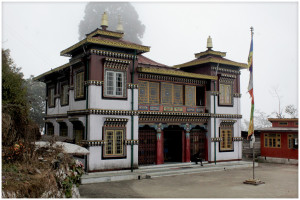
292, 141
63, 129
143, 92
166, 93
272, 140
114, 143
225, 96
190, 95
114, 84
51, 99
79, 87
64, 97
50, 129
226, 142
153, 93
148, 92
178, 94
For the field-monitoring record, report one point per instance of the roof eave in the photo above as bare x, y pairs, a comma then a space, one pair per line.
139, 48
175, 73
212, 60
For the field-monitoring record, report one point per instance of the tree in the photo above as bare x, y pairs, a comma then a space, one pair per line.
36, 99
292, 111
260, 120
278, 113
16, 124
133, 28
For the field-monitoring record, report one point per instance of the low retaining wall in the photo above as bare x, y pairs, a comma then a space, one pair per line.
277, 160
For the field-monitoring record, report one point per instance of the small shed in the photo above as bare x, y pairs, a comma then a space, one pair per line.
279, 143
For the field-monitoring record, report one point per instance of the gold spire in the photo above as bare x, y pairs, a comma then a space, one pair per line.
209, 43
120, 26
104, 21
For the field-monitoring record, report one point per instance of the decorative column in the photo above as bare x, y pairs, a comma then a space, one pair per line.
187, 143
159, 145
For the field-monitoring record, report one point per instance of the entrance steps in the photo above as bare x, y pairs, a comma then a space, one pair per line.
153, 171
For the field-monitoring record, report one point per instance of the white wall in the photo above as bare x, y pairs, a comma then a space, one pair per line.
95, 160
237, 145
97, 102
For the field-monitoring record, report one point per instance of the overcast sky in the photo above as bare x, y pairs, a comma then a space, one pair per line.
37, 32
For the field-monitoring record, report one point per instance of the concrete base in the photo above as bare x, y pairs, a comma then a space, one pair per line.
253, 182
277, 160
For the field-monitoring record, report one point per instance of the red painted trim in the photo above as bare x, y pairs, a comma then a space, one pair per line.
159, 149
183, 144
206, 149
187, 149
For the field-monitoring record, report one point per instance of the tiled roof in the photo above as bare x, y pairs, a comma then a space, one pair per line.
147, 61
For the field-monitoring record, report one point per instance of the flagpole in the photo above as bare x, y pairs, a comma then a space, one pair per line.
252, 181
252, 138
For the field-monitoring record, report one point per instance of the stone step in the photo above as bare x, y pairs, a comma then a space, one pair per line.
161, 170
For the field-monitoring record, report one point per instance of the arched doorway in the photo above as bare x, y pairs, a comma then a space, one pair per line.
173, 144
147, 145
198, 142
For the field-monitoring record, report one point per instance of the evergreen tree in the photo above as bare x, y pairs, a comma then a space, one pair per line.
36, 95
133, 27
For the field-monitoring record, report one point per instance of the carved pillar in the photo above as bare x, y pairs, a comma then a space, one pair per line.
187, 143
159, 145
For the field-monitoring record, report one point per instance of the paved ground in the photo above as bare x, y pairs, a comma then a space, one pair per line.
281, 181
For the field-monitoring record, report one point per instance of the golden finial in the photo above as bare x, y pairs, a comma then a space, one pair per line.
104, 21
209, 43
120, 25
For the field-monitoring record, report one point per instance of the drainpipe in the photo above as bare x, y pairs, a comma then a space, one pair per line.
215, 122
215, 128
86, 106
132, 108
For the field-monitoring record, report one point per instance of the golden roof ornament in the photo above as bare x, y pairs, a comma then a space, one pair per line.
209, 43
104, 21
120, 26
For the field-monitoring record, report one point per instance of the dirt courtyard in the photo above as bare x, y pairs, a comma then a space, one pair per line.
281, 181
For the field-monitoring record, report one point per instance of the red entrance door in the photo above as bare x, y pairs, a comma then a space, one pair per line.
197, 142
147, 146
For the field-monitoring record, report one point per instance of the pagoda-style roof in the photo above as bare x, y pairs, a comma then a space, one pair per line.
210, 58
105, 38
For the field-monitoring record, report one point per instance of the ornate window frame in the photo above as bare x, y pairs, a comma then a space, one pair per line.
63, 129
226, 92
115, 83
79, 85
51, 96
190, 95
114, 137
64, 93
49, 129
226, 143
226, 133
